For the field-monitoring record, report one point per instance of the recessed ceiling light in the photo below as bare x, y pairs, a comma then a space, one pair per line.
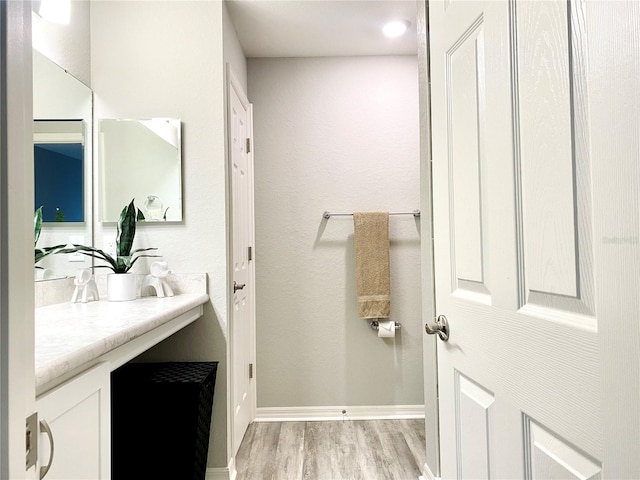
395, 28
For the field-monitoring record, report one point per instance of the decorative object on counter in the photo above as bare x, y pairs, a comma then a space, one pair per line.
40, 253
44, 273
86, 287
154, 209
121, 285
155, 280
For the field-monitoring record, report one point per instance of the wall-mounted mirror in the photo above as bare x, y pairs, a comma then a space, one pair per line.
141, 159
62, 112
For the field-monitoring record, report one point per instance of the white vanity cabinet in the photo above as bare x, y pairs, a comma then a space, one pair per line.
77, 346
78, 415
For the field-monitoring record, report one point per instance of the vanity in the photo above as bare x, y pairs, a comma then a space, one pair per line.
77, 346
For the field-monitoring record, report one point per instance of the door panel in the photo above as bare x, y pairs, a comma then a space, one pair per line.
548, 456
466, 121
519, 377
553, 164
474, 414
544, 99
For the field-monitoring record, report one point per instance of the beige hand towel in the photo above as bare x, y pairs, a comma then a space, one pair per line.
371, 238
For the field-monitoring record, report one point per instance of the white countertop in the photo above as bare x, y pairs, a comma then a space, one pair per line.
70, 335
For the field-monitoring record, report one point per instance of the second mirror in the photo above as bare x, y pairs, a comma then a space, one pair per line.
141, 159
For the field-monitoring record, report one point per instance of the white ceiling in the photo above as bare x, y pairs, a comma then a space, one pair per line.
319, 28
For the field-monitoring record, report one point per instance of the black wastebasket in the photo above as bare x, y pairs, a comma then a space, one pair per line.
160, 418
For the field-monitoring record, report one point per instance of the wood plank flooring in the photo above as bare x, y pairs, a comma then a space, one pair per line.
340, 450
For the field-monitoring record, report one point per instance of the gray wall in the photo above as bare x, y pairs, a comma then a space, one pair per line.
165, 59
233, 53
337, 134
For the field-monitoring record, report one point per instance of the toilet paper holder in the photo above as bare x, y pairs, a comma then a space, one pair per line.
375, 325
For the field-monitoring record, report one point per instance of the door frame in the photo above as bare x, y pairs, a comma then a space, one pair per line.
234, 84
431, 468
613, 45
17, 365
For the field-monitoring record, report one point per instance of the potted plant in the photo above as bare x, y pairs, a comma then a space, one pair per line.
121, 285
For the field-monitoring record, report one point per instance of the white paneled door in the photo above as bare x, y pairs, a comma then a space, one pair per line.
242, 329
518, 239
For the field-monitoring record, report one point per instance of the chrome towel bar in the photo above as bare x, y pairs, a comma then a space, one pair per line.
328, 215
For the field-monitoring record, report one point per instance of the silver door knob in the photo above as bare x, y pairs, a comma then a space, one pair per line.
441, 328
238, 286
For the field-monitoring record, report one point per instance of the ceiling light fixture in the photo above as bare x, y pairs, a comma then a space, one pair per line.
56, 11
395, 28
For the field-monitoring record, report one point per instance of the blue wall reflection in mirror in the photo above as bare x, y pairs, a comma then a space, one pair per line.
59, 170
59, 180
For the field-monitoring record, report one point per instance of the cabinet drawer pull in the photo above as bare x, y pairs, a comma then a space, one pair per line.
44, 426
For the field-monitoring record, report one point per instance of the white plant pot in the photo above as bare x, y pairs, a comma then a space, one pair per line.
121, 287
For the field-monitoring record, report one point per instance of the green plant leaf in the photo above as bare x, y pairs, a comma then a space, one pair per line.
121, 264
124, 264
141, 256
94, 253
40, 253
37, 225
126, 231
138, 250
140, 217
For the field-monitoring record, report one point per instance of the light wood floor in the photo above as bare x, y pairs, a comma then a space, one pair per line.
340, 450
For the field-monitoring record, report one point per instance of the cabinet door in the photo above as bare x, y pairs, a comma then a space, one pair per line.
79, 416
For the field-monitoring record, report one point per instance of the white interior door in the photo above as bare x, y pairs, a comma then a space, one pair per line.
243, 319
517, 261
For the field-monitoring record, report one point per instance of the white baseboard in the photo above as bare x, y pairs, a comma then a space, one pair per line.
222, 473
428, 474
365, 412
218, 473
